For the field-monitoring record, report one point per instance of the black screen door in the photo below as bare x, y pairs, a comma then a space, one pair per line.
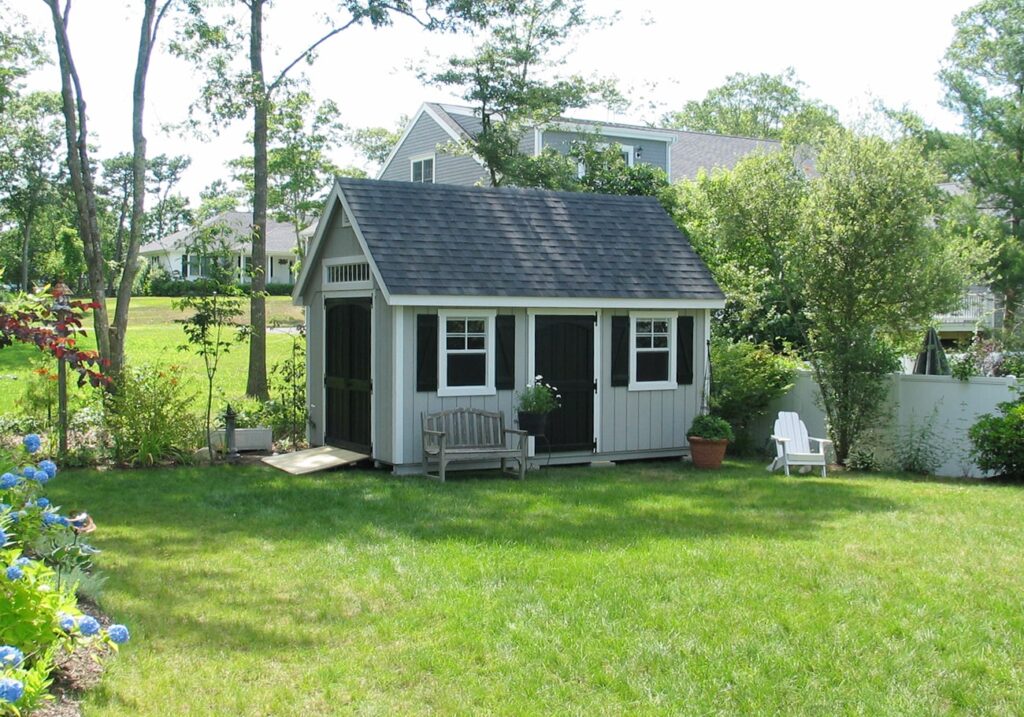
565, 358
347, 374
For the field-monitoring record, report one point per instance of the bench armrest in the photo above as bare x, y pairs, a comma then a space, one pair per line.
523, 435
433, 438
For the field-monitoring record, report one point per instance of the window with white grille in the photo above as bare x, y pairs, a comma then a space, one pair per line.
348, 274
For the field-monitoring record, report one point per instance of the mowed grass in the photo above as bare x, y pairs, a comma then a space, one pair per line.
644, 589
153, 338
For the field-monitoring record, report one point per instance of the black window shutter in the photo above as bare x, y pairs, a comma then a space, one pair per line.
620, 351
184, 266
505, 352
684, 350
426, 352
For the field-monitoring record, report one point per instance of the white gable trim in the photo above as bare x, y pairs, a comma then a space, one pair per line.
552, 302
424, 109
614, 131
336, 197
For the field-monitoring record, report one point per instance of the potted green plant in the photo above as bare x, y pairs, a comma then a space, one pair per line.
535, 402
708, 437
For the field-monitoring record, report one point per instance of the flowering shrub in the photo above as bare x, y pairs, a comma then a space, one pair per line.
538, 397
39, 615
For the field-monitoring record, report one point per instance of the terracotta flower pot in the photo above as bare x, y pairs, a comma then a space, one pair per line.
706, 453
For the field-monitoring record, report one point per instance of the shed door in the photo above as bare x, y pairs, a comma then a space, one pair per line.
347, 374
565, 358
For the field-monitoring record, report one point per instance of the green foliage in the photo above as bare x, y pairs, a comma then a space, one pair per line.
747, 377
916, 448
149, 416
376, 143
538, 397
998, 440
711, 428
287, 409
759, 105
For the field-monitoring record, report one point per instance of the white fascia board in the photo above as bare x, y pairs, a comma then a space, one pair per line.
553, 302
365, 248
314, 245
631, 133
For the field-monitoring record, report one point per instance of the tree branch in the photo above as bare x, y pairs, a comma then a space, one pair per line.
305, 53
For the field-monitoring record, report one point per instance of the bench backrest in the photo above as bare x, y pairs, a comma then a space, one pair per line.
468, 427
788, 425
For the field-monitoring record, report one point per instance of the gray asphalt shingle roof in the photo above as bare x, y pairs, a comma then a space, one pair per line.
237, 235
447, 240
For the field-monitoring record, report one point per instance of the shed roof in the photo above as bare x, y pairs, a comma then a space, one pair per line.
448, 240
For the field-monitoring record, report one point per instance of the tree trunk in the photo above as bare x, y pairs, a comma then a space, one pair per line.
25, 240
257, 381
147, 35
80, 171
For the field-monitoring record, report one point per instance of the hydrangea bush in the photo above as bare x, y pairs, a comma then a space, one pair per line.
39, 616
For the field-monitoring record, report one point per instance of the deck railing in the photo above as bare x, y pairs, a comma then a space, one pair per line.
978, 309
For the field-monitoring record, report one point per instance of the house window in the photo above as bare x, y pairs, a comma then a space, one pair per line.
423, 169
625, 151
652, 360
466, 354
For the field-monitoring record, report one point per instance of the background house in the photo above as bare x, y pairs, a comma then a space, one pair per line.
422, 153
421, 298
177, 253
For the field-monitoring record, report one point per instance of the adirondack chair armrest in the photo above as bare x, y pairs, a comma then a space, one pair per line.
780, 439
823, 443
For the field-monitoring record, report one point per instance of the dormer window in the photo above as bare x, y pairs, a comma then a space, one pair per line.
423, 169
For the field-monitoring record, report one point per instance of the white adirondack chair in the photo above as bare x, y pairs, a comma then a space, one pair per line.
793, 445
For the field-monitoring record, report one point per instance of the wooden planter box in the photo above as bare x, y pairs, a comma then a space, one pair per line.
246, 439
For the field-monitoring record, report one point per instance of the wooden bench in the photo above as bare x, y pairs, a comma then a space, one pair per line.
465, 434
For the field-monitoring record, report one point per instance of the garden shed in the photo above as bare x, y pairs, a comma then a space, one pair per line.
423, 297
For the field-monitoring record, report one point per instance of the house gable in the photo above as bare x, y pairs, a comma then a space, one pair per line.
426, 136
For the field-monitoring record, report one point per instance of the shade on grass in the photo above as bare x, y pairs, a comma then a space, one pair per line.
643, 589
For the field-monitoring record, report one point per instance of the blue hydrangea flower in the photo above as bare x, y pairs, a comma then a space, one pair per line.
11, 690
88, 625
49, 466
118, 634
43, 502
4, 537
10, 656
51, 519
42, 477
29, 471
64, 521
16, 517
15, 572
32, 442
8, 480
4, 507
66, 622
23, 561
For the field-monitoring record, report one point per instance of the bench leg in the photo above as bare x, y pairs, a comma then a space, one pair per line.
441, 463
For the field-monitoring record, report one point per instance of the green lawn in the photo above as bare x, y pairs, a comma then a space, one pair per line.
643, 589
153, 338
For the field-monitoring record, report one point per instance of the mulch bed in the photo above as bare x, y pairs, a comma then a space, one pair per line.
76, 672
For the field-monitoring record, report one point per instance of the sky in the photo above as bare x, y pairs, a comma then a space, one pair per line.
662, 52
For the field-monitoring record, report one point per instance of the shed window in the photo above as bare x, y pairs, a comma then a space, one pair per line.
466, 354
652, 352
423, 169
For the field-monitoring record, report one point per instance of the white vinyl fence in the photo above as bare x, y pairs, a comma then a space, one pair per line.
940, 406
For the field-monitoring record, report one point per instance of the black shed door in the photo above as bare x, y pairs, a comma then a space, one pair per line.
347, 374
565, 358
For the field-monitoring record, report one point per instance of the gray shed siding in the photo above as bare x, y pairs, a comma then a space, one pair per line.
648, 420
654, 151
419, 402
427, 136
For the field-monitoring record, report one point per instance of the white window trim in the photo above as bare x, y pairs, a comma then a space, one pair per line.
581, 168
443, 389
671, 383
432, 156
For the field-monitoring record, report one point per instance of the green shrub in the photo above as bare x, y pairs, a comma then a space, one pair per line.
747, 378
279, 289
287, 411
998, 441
149, 416
711, 428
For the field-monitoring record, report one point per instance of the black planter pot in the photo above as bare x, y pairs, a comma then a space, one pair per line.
533, 423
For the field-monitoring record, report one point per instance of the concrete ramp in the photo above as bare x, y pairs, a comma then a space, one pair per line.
312, 460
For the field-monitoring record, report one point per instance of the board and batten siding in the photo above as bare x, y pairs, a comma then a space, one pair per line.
427, 137
654, 151
648, 420
418, 402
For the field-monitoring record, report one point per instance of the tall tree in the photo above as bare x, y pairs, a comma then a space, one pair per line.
216, 40
109, 337
169, 212
30, 137
851, 254
760, 105
376, 143
299, 172
20, 52
511, 81
983, 72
